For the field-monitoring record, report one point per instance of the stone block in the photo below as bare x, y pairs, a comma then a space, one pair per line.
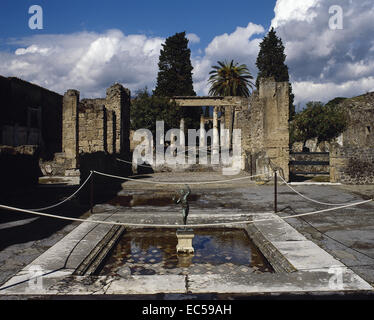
185, 238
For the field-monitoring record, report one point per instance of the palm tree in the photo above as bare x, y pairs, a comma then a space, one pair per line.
230, 79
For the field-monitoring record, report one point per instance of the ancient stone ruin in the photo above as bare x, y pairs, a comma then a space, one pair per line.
263, 120
352, 156
62, 129
51, 132
91, 126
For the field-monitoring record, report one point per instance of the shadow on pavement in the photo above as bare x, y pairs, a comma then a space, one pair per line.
42, 196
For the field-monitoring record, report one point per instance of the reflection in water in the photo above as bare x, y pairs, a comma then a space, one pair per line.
153, 251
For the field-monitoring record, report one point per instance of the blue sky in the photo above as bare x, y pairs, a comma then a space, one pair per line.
163, 18
88, 45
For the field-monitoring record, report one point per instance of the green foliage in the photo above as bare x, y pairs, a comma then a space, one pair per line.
147, 109
292, 111
324, 122
230, 79
271, 59
175, 69
271, 63
306, 122
175, 75
295, 135
333, 121
335, 102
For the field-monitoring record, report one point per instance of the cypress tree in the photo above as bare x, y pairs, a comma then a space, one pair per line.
271, 63
175, 69
175, 75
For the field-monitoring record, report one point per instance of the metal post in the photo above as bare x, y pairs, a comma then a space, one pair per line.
250, 163
275, 191
92, 193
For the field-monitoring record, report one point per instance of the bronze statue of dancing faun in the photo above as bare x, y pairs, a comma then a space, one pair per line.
183, 195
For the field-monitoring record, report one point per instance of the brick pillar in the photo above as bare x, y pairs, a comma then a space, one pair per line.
70, 127
118, 100
111, 131
275, 100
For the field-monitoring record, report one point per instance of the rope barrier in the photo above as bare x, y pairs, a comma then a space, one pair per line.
177, 225
68, 198
131, 179
310, 199
178, 183
36, 211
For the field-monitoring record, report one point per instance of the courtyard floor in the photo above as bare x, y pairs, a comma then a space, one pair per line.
346, 234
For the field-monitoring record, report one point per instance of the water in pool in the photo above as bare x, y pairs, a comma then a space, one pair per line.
153, 251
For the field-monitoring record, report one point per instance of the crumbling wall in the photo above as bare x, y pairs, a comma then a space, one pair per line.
352, 159
118, 101
250, 120
264, 125
352, 165
104, 124
92, 126
63, 127
360, 129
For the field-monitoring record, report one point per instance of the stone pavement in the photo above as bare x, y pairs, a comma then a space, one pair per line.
24, 237
346, 234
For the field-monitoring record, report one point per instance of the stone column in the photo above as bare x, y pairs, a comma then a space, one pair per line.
70, 127
182, 140
215, 144
228, 122
225, 135
202, 132
173, 139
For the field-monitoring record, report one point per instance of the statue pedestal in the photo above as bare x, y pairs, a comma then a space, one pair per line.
185, 237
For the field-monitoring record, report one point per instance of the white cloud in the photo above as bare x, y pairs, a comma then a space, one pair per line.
314, 91
32, 49
325, 63
193, 38
87, 61
239, 46
287, 10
